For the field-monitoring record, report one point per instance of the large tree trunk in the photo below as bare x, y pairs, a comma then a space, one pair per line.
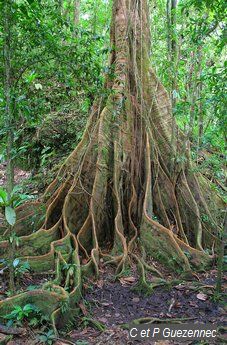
115, 196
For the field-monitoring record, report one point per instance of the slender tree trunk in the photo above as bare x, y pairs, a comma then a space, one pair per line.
193, 98
194, 91
8, 93
76, 12
94, 20
9, 121
171, 6
174, 51
60, 6
200, 101
68, 9
168, 18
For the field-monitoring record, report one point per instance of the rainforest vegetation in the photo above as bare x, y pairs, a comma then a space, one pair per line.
112, 167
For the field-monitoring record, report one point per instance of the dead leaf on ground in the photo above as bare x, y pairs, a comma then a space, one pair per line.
127, 280
106, 304
201, 296
83, 308
169, 315
100, 283
177, 305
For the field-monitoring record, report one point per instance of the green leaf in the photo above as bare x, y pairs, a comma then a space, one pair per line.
16, 262
43, 338
3, 196
28, 307
10, 215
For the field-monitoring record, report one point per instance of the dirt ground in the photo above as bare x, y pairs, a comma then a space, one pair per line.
115, 303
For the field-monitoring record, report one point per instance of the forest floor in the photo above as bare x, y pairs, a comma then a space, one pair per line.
19, 174
115, 303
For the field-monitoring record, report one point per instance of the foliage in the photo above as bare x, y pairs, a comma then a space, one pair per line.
55, 68
15, 199
58, 70
9, 203
20, 268
47, 338
200, 33
29, 313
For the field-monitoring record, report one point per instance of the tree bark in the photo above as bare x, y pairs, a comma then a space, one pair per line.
194, 92
171, 6
8, 93
76, 12
9, 122
172, 47
200, 106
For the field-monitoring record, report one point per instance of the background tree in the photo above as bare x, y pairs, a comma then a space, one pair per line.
44, 81
8, 80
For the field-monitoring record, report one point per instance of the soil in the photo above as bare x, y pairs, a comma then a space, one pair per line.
116, 303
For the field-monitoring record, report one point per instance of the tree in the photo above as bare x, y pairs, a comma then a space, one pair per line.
9, 122
43, 79
7, 51
171, 7
116, 197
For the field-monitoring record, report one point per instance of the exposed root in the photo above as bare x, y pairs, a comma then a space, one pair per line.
143, 284
145, 320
